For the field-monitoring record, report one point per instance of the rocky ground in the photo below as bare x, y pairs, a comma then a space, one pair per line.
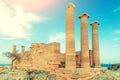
21, 74
108, 75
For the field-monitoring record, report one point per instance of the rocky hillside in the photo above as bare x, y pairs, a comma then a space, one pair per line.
108, 75
20, 74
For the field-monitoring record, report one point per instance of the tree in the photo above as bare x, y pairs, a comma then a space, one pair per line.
13, 56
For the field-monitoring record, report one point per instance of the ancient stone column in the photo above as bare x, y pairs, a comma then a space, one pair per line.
14, 53
84, 41
70, 41
22, 49
91, 58
95, 44
31, 48
14, 49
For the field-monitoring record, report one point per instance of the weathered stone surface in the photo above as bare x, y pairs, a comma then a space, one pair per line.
95, 44
22, 49
91, 56
39, 57
70, 41
83, 71
14, 49
84, 41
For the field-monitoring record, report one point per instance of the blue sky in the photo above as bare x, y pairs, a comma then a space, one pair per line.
24, 22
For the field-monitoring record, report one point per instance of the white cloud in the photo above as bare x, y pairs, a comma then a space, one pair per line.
117, 32
3, 38
116, 10
115, 39
116, 45
15, 22
58, 37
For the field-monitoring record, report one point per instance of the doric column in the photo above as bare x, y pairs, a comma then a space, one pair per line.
14, 53
22, 49
31, 48
70, 41
84, 41
14, 49
95, 44
91, 58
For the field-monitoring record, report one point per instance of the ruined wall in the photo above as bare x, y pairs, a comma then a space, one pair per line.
39, 56
44, 56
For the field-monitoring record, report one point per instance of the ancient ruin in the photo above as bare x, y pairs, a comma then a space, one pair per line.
48, 57
84, 41
70, 39
95, 43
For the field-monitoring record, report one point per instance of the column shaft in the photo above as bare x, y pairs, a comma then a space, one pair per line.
91, 58
95, 44
70, 41
22, 49
84, 41
14, 49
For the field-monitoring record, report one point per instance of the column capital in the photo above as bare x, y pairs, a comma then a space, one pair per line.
14, 49
14, 45
84, 14
70, 5
95, 22
22, 49
23, 46
31, 47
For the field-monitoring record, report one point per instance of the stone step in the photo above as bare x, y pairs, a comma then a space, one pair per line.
85, 75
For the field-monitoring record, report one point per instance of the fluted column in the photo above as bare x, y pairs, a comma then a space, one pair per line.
70, 41
84, 41
95, 44
22, 49
14, 49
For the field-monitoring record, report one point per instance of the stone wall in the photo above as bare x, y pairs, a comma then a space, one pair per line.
39, 56
45, 56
